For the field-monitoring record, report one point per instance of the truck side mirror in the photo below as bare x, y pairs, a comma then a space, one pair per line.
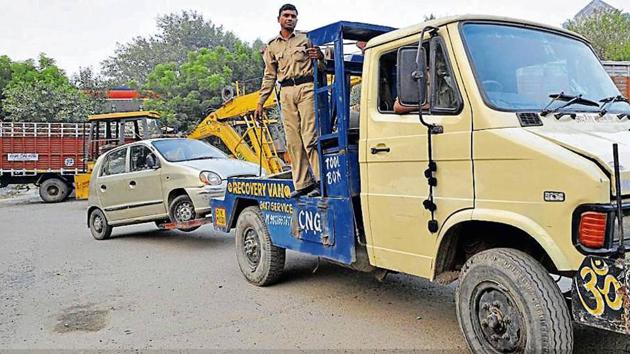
412, 77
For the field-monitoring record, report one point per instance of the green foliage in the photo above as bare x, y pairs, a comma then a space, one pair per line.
608, 31
187, 90
178, 34
41, 93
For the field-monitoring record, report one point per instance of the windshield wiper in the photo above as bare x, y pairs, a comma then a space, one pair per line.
201, 158
610, 100
569, 99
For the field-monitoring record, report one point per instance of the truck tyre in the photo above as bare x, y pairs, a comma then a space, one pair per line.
507, 302
260, 261
182, 209
99, 227
54, 190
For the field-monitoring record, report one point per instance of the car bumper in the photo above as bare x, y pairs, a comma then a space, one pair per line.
201, 197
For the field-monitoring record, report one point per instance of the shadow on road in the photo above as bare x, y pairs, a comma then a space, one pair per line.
204, 237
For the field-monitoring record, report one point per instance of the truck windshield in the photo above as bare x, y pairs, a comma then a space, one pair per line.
518, 68
177, 150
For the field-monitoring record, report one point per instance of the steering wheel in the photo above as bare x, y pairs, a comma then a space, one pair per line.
490, 84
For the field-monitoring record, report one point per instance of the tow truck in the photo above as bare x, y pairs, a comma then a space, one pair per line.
504, 172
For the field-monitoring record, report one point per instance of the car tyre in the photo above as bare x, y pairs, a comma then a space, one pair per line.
260, 261
182, 209
507, 302
99, 227
54, 190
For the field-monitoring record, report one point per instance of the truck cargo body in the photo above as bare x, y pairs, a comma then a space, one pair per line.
34, 152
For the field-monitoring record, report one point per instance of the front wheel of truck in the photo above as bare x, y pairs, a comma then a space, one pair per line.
260, 261
506, 302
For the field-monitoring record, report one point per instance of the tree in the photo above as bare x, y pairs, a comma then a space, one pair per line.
42, 93
178, 34
186, 91
608, 31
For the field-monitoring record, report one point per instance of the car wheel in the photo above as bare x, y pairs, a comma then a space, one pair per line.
54, 190
182, 210
260, 261
506, 302
100, 229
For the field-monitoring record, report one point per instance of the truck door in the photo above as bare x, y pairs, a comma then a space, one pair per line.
397, 156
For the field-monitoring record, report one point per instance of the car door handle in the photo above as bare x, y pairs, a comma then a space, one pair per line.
376, 150
103, 187
132, 184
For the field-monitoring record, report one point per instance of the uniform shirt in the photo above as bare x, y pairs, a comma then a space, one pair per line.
285, 59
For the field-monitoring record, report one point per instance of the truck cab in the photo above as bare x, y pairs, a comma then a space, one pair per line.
484, 153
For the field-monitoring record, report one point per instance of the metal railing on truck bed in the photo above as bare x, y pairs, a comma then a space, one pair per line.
29, 148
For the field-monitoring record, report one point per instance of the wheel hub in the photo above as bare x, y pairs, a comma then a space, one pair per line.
500, 321
98, 224
184, 212
52, 190
251, 247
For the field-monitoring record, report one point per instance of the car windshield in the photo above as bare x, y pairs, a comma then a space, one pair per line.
177, 150
518, 68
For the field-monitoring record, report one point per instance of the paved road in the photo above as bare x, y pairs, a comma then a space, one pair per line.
150, 289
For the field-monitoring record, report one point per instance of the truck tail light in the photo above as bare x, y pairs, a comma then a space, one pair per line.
592, 230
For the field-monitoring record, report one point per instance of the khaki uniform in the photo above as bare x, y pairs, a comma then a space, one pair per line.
288, 59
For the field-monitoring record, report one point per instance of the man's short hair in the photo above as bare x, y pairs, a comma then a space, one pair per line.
286, 7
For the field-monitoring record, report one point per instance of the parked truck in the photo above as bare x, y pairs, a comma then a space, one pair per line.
58, 157
499, 173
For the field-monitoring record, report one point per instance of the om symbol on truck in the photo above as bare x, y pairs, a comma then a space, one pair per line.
332, 166
606, 294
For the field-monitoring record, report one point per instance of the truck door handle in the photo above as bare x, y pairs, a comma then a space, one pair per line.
376, 150
132, 184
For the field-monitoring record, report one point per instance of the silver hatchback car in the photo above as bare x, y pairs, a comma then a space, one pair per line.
158, 180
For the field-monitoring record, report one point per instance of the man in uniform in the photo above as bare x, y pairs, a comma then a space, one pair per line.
289, 60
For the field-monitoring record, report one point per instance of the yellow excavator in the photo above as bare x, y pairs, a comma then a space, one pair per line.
256, 143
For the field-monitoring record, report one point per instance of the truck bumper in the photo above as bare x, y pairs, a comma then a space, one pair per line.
599, 294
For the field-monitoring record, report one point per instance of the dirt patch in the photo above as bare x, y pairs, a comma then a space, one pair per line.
81, 319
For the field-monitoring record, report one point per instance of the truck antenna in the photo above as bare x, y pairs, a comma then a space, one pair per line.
621, 249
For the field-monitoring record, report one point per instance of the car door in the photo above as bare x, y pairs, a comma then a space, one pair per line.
110, 186
397, 156
143, 186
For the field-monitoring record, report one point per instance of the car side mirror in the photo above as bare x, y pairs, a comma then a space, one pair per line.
152, 162
412, 78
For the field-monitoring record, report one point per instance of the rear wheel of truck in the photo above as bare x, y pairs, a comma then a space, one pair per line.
506, 302
99, 227
54, 190
260, 261
182, 210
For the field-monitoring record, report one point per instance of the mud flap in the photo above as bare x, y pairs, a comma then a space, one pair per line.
599, 294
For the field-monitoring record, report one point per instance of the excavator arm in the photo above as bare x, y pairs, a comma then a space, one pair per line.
258, 147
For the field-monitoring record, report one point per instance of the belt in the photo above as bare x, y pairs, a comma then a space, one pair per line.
296, 81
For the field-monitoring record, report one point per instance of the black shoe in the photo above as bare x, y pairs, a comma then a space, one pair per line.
314, 193
300, 192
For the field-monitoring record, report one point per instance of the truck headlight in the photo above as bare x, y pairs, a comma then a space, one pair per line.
210, 178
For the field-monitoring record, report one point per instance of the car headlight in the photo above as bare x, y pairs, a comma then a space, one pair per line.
210, 178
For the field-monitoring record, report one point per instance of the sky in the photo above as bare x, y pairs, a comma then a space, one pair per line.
81, 33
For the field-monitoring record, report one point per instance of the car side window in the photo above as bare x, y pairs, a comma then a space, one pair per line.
115, 163
138, 155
